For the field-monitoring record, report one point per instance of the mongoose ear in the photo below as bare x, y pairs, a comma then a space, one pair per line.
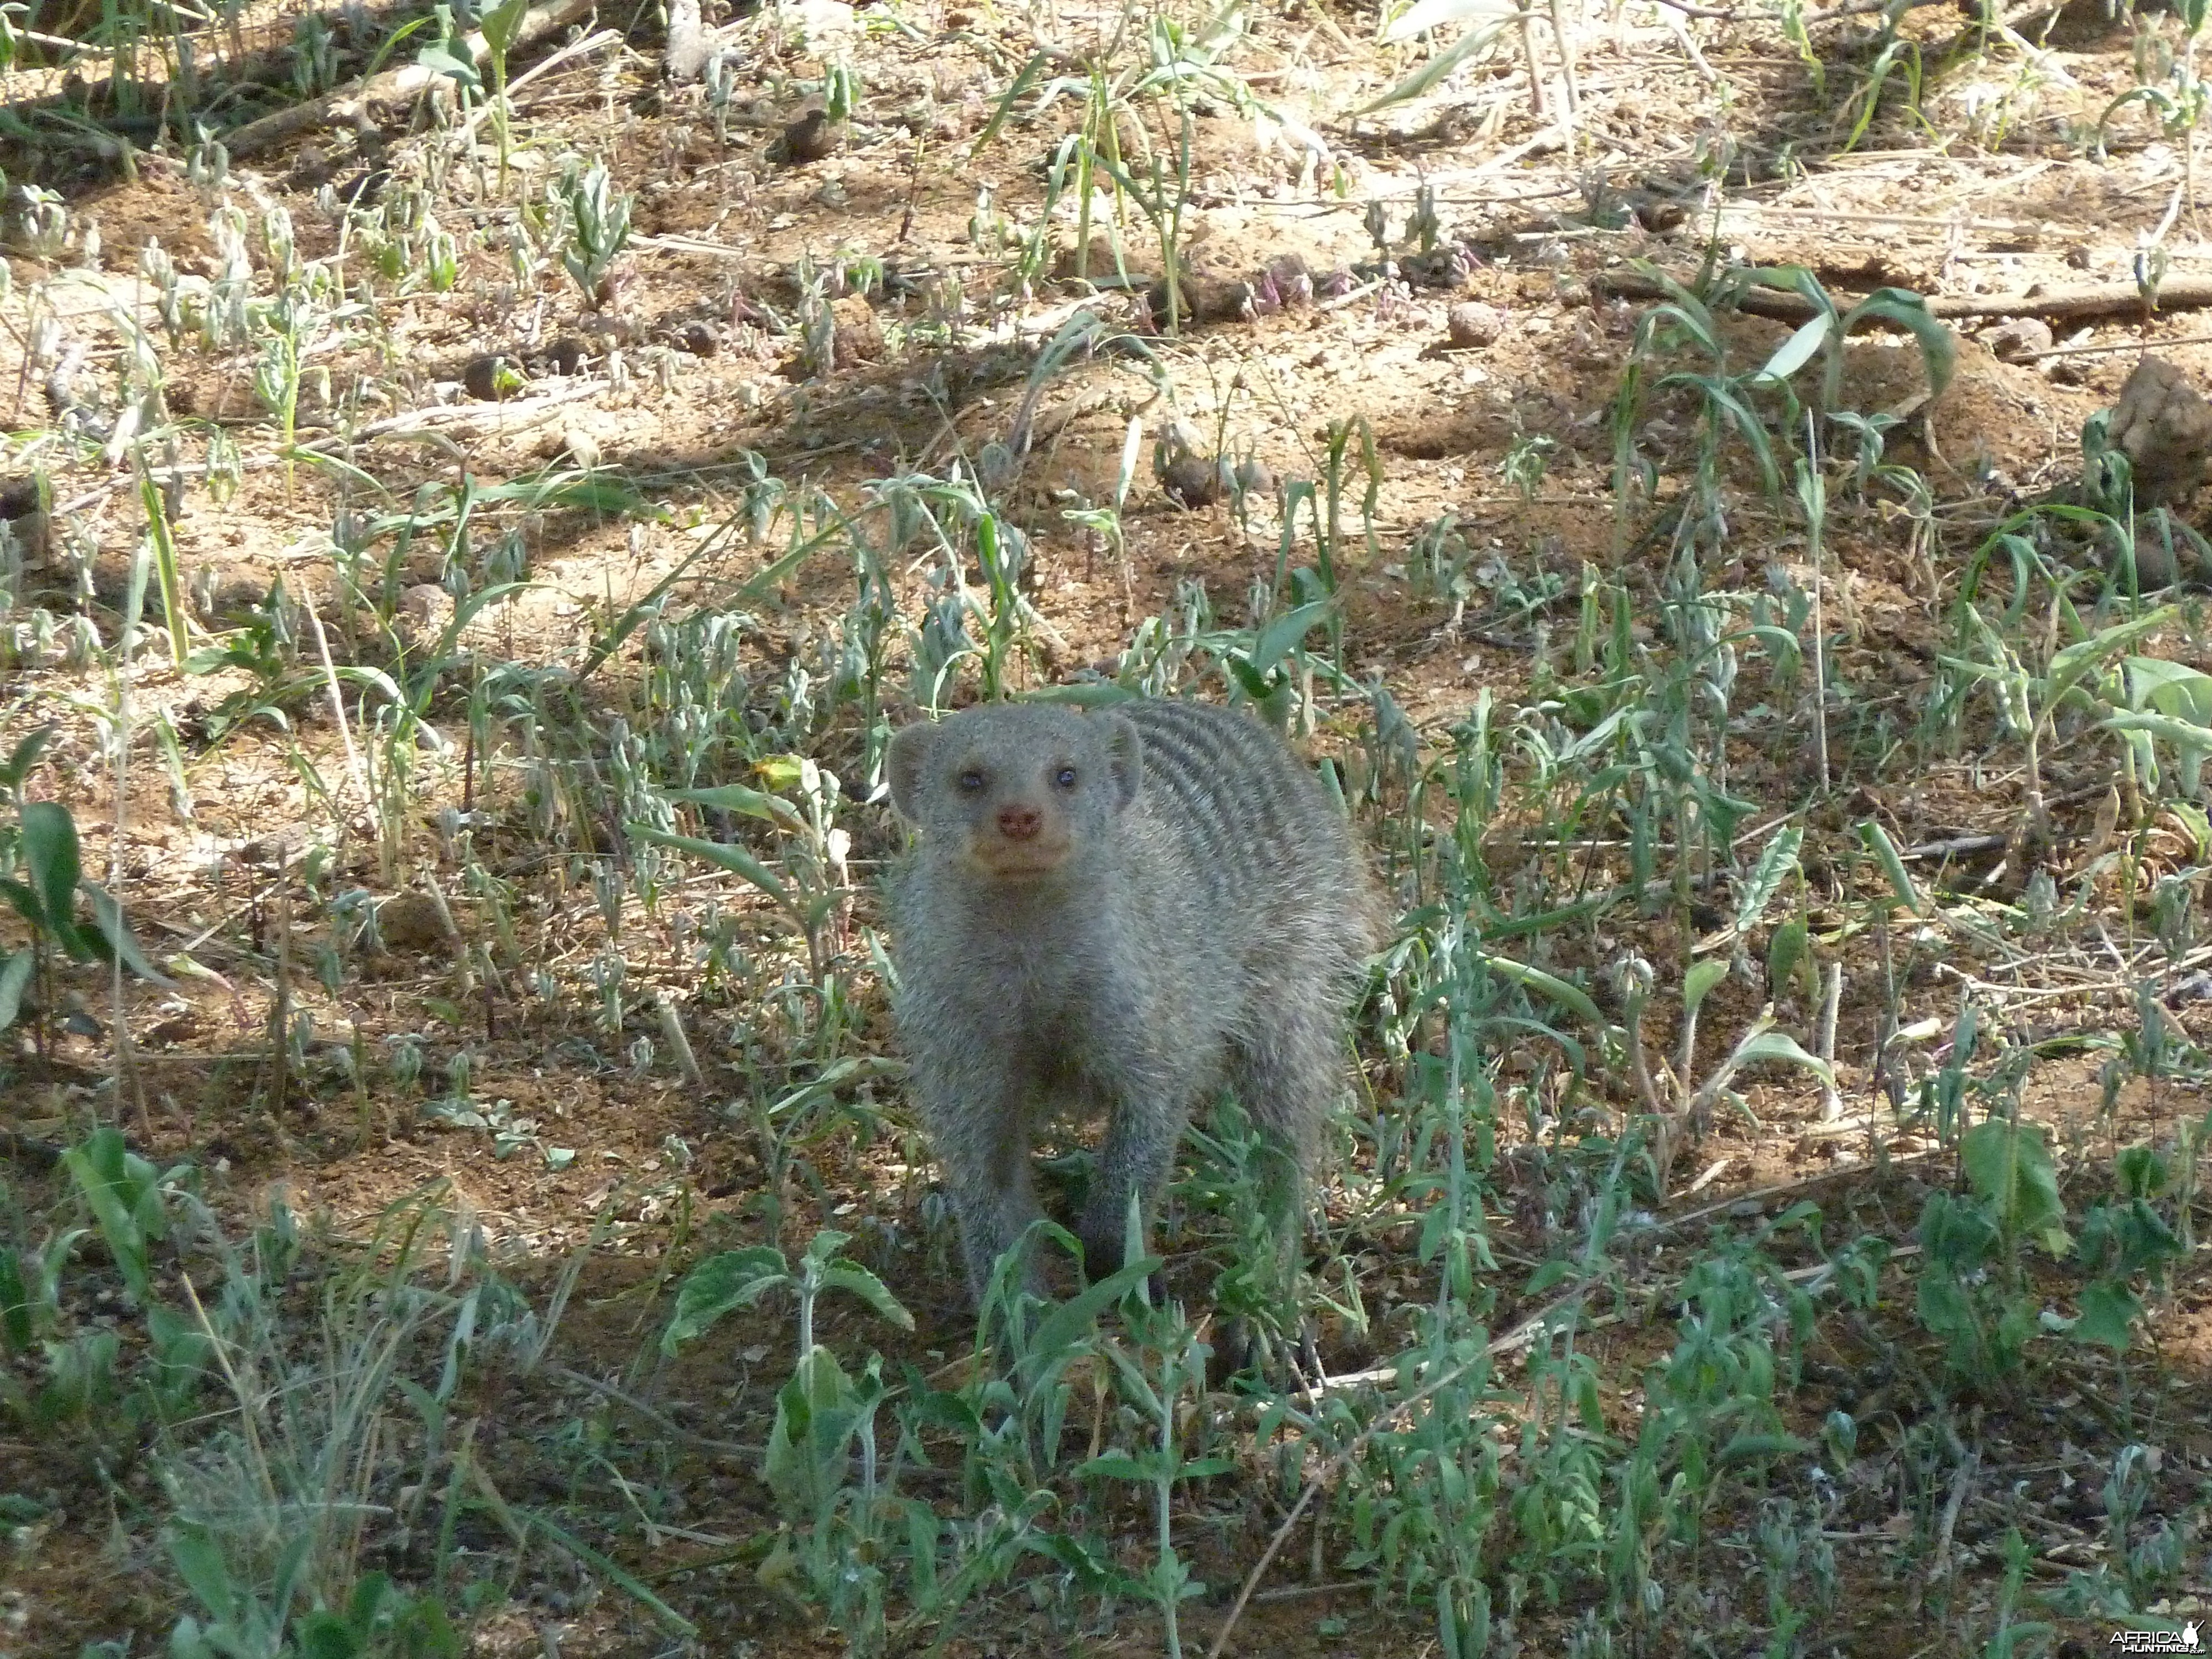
904, 765
1124, 756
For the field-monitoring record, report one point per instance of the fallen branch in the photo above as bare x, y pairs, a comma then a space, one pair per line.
396, 86
2087, 299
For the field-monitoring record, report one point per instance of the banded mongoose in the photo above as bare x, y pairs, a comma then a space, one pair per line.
1125, 911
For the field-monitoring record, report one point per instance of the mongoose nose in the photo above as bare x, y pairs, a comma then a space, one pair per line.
1019, 823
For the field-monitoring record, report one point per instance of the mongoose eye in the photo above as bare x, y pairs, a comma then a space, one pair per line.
1065, 777
971, 780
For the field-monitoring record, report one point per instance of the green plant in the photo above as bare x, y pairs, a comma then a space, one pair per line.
47, 845
500, 23
1162, 1360
597, 217
1973, 1293
1148, 59
823, 1414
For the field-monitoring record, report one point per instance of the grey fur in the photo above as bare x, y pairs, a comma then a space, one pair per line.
1186, 911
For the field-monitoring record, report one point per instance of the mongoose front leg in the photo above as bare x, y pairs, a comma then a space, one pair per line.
978, 1121
1140, 1142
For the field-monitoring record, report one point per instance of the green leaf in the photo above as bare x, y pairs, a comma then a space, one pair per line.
1700, 980
817, 1413
442, 57
1876, 840
2009, 1168
2109, 1311
736, 798
1945, 1311
499, 23
2171, 688
1776, 860
14, 1303
1760, 1449
733, 859
422, 676
1535, 979
15, 980
2070, 665
1478, 38
1902, 308
2189, 741
1798, 349
850, 1276
24, 756
2142, 1172
50, 850
1115, 1466
1060, 1329
1275, 640
1723, 397
110, 929
1102, 696
200, 1563
1027, 76
118, 1187
1789, 950
323, 1635
1780, 1046
442, 1642
732, 1280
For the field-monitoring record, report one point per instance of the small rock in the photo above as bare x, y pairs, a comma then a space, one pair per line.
860, 336
1202, 300
489, 377
411, 922
1447, 265
1252, 477
26, 520
362, 190
178, 1028
1656, 212
1472, 324
275, 849
812, 138
2019, 339
423, 609
580, 444
2164, 426
565, 355
1192, 481
1068, 257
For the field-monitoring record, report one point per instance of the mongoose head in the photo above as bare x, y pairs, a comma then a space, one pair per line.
1017, 790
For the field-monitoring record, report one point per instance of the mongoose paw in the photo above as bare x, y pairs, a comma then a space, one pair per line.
1243, 1347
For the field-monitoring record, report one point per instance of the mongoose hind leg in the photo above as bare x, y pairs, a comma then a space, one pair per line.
1287, 1075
